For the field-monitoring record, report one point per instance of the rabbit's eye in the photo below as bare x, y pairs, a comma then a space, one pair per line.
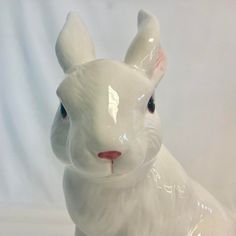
151, 105
63, 111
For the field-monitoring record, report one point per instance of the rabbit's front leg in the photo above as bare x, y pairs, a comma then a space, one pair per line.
78, 232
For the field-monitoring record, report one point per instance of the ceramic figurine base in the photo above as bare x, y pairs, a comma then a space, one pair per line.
120, 180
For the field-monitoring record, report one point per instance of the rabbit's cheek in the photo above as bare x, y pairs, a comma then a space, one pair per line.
83, 158
59, 134
154, 136
87, 164
132, 159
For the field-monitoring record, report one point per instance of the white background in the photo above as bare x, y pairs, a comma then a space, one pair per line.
196, 99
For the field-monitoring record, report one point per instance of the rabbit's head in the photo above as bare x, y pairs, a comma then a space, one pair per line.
106, 124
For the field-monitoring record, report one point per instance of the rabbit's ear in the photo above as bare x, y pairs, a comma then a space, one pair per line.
145, 52
74, 45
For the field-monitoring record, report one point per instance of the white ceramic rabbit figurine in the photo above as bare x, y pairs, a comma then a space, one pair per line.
120, 180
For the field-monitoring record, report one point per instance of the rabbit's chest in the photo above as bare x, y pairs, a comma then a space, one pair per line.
106, 211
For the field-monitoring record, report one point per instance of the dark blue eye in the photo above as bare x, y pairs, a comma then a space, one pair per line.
63, 111
151, 105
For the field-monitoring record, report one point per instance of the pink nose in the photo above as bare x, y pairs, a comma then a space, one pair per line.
110, 155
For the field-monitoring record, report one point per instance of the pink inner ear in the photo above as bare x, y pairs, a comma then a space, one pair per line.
160, 58
159, 67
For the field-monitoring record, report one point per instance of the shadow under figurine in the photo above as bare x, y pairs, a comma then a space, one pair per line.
119, 179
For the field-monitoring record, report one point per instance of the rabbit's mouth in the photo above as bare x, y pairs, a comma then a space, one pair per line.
110, 155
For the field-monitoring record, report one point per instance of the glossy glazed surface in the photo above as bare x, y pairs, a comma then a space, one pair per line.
119, 178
